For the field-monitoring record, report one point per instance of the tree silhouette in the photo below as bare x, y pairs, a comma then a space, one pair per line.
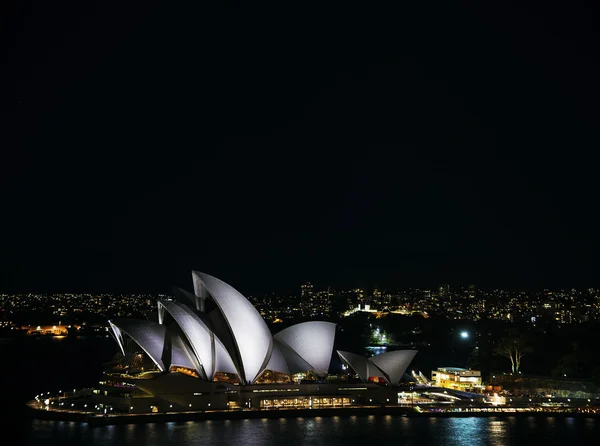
513, 346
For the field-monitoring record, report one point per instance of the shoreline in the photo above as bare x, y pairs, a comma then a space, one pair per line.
93, 419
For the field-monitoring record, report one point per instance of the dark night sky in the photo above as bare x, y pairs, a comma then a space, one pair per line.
434, 143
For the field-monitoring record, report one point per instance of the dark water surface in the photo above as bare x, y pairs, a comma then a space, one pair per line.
31, 366
368, 430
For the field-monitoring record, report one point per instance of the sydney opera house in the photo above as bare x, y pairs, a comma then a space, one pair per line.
211, 349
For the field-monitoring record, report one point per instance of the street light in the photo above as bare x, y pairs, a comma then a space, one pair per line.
464, 334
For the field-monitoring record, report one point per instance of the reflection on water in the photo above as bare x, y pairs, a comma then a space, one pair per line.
532, 421
466, 430
499, 432
338, 430
590, 424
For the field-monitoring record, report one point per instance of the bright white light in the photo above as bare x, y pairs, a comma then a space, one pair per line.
464, 334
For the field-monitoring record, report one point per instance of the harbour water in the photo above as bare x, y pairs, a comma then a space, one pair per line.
367, 430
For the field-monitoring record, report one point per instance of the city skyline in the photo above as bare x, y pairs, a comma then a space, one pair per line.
295, 289
556, 307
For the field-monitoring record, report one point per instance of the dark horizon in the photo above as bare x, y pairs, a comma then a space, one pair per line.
270, 145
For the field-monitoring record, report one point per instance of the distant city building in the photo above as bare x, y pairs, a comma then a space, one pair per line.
444, 291
315, 303
471, 291
306, 290
306, 299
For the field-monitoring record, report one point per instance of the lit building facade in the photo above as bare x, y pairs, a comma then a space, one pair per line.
457, 378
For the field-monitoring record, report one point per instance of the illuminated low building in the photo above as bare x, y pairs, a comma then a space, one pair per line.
365, 308
457, 378
47, 330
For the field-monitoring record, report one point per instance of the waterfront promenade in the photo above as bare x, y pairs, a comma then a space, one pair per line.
41, 411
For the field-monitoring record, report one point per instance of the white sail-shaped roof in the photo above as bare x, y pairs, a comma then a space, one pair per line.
181, 293
223, 361
394, 363
227, 334
149, 335
277, 362
294, 361
197, 334
313, 341
251, 336
116, 331
360, 364
391, 364
181, 354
